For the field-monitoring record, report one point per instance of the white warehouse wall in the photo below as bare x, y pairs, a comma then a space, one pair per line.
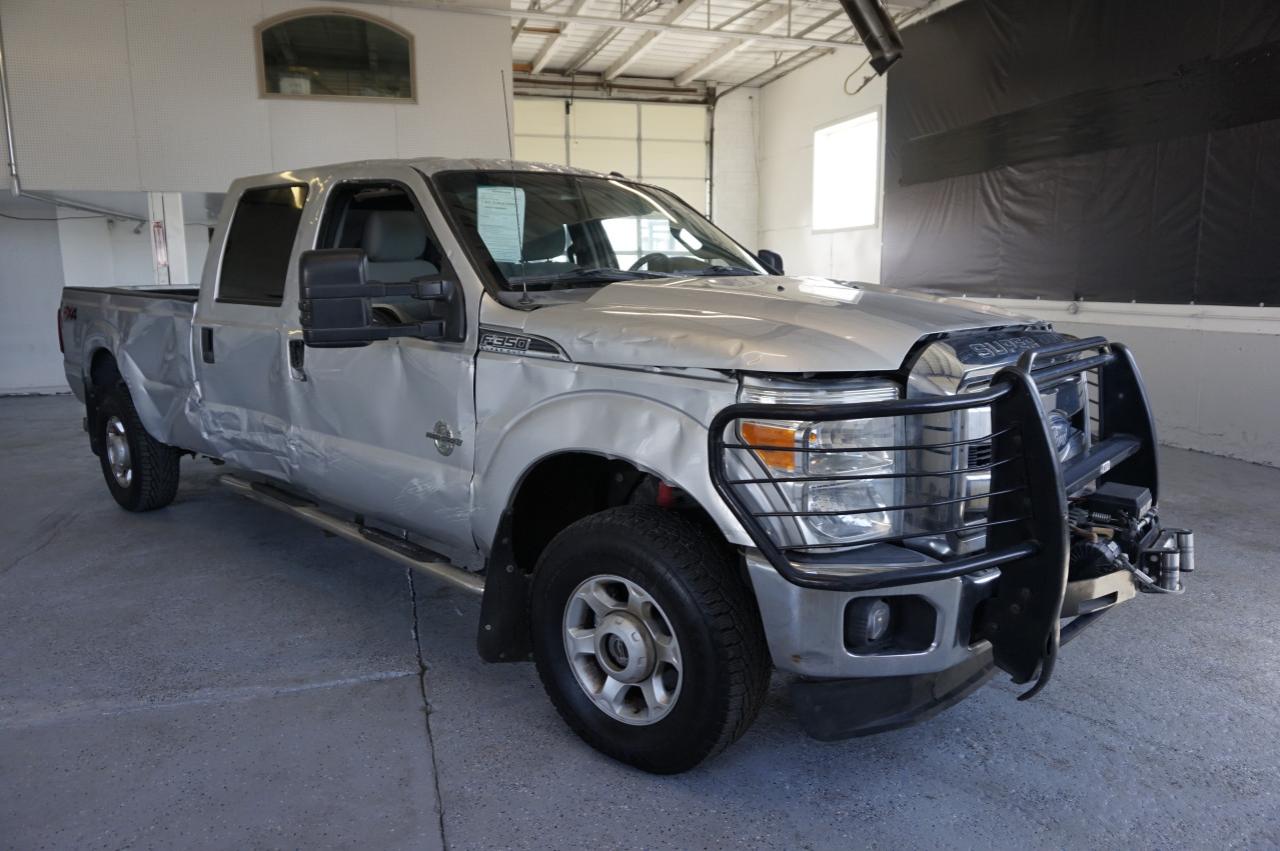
1207, 368
734, 166
162, 95
790, 110
30, 285
98, 251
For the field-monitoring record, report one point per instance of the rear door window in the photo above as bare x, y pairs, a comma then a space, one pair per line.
260, 245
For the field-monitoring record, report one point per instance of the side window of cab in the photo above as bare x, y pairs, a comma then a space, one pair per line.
383, 220
259, 245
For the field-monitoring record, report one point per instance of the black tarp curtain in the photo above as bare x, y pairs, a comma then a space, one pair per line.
1110, 150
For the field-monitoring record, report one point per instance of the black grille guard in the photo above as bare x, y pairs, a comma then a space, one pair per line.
1026, 523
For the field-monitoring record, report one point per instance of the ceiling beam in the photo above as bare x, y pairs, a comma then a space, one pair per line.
638, 10
677, 14
726, 50
549, 48
543, 17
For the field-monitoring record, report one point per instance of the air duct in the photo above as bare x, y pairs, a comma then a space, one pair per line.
877, 30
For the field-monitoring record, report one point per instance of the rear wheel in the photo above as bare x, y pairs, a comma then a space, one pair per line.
646, 640
141, 472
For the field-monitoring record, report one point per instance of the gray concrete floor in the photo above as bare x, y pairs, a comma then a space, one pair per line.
216, 675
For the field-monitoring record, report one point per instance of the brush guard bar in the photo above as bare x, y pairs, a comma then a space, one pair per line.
1026, 522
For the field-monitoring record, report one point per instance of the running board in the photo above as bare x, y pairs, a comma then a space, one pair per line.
383, 544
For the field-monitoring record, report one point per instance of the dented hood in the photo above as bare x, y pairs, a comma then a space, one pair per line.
755, 323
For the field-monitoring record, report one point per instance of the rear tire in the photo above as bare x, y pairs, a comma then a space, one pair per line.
646, 595
141, 472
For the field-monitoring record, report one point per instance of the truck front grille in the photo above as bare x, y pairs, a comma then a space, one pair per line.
980, 454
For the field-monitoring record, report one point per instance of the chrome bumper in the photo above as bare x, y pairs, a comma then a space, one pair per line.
805, 627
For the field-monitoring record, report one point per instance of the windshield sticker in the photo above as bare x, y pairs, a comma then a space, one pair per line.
500, 220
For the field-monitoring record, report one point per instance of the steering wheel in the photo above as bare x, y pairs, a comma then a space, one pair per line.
649, 258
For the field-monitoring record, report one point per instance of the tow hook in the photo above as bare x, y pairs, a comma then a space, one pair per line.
1172, 555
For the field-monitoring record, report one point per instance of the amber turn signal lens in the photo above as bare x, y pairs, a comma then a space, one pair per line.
759, 434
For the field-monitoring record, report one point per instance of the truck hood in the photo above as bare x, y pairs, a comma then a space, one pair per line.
755, 323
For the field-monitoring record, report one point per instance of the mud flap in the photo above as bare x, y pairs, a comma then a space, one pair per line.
504, 610
1021, 620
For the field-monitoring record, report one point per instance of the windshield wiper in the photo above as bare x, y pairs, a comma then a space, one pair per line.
585, 276
721, 270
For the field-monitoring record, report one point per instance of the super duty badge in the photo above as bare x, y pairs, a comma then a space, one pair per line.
504, 344
510, 343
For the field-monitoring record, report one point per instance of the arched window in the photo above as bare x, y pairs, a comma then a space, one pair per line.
334, 54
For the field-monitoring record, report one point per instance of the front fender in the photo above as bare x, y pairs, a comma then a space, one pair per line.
666, 439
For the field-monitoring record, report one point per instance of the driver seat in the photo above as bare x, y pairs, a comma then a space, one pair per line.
393, 242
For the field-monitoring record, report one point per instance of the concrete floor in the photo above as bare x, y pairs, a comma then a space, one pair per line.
215, 675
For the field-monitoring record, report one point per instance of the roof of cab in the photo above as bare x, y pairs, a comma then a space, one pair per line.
427, 165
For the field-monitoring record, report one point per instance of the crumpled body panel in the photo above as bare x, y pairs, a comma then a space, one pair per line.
150, 338
528, 409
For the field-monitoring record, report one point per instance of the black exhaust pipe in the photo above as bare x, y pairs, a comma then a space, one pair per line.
877, 30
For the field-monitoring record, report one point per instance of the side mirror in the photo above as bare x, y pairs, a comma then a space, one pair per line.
770, 260
336, 299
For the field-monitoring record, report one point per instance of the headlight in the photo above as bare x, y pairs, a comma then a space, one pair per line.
841, 511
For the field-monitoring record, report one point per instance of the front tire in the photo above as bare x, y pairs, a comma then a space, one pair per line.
646, 639
141, 472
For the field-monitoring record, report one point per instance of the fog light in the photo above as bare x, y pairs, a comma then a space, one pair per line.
866, 622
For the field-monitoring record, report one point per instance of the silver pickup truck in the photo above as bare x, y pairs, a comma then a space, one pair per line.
667, 468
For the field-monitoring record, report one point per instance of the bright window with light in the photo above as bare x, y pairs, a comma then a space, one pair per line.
846, 167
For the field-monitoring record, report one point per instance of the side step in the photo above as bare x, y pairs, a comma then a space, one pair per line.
381, 543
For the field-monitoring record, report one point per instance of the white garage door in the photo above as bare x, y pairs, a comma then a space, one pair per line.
659, 143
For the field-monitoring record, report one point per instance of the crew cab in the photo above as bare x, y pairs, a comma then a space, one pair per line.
668, 468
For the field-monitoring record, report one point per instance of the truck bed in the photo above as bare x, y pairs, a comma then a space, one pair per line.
171, 293
147, 331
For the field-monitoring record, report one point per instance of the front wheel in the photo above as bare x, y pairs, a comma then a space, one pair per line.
646, 639
141, 472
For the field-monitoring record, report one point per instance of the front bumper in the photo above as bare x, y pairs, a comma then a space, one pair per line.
1003, 606
838, 693
806, 628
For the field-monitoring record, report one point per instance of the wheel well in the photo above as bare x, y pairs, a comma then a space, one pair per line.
103, 375
557, 491
565, 488
103, 371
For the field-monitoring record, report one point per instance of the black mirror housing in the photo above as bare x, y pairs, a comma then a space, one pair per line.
771, 261
335, 302
325, 314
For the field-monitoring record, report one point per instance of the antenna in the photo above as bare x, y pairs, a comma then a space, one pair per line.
515, 203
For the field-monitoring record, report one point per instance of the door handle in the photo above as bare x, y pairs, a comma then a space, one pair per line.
297, 359
206, 344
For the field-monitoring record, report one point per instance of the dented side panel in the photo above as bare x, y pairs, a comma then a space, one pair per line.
150, 338
529, 408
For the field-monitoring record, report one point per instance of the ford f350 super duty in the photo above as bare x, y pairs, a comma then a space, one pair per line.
668, 469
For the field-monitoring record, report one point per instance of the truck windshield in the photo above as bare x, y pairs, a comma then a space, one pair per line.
556, 231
